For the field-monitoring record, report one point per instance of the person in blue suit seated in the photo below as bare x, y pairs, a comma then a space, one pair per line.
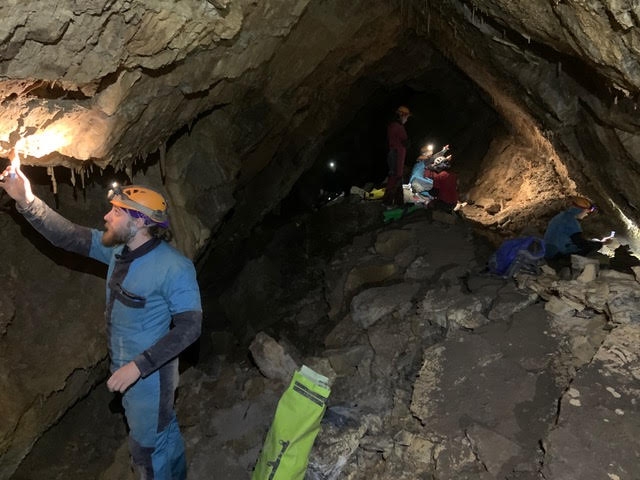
564, 235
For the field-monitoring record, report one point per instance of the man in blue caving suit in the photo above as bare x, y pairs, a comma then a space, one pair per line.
153, 311
563, 236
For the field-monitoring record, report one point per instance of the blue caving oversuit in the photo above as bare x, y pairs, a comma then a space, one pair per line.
153, 313
564, 235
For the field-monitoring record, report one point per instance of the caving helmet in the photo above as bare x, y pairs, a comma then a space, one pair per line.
427, 149
402, 110
441, 163
140, 202
584, 204
438, 162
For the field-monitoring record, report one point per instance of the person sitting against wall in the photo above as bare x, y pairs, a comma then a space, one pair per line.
564, 235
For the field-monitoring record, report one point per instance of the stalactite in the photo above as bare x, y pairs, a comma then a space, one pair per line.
508, 44
82, 174
559, 69
163, 161
73, 176
54, 183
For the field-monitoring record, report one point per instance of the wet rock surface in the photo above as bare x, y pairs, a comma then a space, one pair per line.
438, 371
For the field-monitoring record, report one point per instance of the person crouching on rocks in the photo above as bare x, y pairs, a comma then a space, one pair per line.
445, 184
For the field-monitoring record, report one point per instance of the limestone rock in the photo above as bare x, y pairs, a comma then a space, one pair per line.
452, 309
493, 450
7, 312
510, 301
602, 402
372, 304
272, 359
390, 243
349, 360
589, 273
362, 275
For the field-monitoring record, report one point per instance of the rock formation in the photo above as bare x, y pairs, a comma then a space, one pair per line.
226, 103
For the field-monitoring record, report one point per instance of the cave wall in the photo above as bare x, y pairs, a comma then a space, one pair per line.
52, 332
280, 115
219, 101
226, 103
564, 77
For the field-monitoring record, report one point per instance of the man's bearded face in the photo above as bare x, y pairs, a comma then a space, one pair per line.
119, 228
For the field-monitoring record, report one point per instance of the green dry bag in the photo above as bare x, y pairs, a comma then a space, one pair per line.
296, 424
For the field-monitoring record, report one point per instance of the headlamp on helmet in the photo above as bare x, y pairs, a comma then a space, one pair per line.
427, 148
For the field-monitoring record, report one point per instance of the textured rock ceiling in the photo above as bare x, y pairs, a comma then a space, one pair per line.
226, 103
117, 82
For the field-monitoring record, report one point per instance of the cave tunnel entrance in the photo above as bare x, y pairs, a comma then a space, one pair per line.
447, 108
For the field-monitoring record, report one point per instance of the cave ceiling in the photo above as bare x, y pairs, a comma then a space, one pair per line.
111, 83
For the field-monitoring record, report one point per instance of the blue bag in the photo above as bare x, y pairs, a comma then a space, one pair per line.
516, 254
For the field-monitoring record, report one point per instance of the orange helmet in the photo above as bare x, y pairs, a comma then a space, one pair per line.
402, 110
583, 203
140, 199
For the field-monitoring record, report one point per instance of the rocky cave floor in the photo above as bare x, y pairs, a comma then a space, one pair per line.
439, 371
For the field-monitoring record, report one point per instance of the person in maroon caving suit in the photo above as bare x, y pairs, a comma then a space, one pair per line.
445, 185
397, 140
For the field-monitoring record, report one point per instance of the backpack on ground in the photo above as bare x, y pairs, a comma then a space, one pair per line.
522, 254
286, 449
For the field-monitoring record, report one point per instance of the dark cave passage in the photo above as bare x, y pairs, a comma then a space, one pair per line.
446, 108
